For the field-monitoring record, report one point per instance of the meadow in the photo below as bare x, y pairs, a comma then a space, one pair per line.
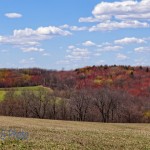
73, 135
18, 90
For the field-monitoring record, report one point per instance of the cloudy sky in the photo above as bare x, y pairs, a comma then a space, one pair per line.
56, 34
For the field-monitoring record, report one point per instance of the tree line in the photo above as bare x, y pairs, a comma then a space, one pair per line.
87, 104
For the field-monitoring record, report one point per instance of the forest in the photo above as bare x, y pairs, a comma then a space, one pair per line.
94, 93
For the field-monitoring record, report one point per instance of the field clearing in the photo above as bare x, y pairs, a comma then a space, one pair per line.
67, 135
18, 90
2, 95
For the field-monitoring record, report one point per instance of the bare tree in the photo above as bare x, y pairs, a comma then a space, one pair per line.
39, 103
80, 102
25, 97
105, 102
8, 103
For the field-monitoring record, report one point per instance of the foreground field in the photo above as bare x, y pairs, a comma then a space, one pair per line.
66, 135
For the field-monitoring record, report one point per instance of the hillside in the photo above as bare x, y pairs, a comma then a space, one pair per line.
97, 93
135, 80
56, 135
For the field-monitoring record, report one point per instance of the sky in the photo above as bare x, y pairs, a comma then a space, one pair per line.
69, 34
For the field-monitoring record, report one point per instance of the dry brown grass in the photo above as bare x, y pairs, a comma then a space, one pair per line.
67, 135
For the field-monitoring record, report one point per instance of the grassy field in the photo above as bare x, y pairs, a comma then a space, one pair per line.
67, 135
18, 90
2, 95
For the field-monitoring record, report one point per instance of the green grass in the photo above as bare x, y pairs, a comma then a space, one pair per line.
18, 90
2, 95
67, 135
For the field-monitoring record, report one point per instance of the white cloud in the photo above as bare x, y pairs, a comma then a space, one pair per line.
128, 40
142, 49
104, 44
29, 39
123, 10
73, 28
78, 54
65, 26
13, 15
122, 56
88, 19
119, 15
41, 32
46, 54
71, 47
110, 48
113, 25
32, 49
88, 43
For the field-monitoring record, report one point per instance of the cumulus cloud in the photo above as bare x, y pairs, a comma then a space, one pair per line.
128, 40
29, 39
41, 32
110, 48
32, 49
113, 25
76, 28
46, 54
71, 47
88, 43
122, 56
119, 15
73, 28
78, 54
13, 15
123, 10
65, 26
142, 49
88, 19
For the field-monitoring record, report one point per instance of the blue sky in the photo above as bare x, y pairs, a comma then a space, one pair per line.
68, 34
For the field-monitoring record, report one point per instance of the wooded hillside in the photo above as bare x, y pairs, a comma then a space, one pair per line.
97, 93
